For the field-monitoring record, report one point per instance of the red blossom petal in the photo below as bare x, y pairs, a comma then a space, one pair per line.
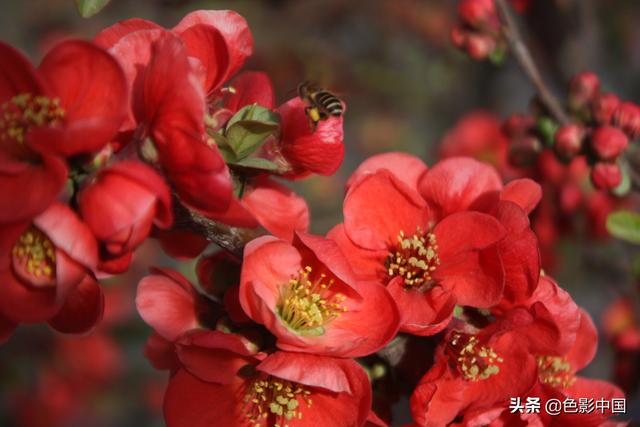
82, 309
181, 244
44, 181
17, 75
250, 87
93, 92
278, 209
365, 263
586, 343
378, 207
21, 304
233, 28
453, 184
161, 353
108, 37
405, 167
208, 45
319, 152
525, 192
167, 305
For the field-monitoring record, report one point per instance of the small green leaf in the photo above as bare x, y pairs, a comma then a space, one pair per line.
256, 163
547, 128
88, 8
624, 225
246, 136
253, 112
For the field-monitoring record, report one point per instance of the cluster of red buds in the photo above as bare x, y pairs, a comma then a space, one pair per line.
600, 131
479, 32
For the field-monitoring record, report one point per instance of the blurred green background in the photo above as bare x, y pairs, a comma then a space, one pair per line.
404, 85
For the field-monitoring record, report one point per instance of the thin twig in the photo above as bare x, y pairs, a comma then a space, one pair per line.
522, 54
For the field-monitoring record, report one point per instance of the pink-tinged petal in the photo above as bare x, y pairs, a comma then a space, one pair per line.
250, 87
308, 151
214, 356
93, 92
586, 343
232, 26
378, 207
166, 306
366, 264
108, 37
6, 329
133, 52
405, 167
44, 181
190, 402
422, 312
161, 353
278, 209
524, 192
453, 184
69, 234
208, 46
82, 309
17, 75
268, 262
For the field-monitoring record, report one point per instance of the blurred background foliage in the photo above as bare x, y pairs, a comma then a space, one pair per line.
404, 85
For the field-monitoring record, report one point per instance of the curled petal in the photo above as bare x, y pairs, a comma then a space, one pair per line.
82, 310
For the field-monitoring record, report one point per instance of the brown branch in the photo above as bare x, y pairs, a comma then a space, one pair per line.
522, 54
231, 239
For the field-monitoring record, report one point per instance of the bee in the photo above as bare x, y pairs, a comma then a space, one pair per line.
321, 104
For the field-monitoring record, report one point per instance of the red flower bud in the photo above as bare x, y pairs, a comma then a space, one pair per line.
477, 13
606, 176
523, 152
480, 46
627, 118
583, 88
518, 125
608, 142
458, 37
603, 108
569, 140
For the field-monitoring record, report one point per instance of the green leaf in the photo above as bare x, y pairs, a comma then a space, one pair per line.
624, 225
246, 136
253, 112
88, 8
547, 128
257, 163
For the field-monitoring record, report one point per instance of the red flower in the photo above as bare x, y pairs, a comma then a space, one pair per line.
45, 271
122, 203
219, 40
308, 151
475, 370
169, 108
307, 296
222, 382
73, 103
390, 235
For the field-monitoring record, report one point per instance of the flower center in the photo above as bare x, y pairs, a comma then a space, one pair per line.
473, 361
307, 305
275, 400
24, 111
555, 371
34, 258
415, 258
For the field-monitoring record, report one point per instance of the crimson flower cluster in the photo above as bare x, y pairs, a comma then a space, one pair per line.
445, 251
106, 138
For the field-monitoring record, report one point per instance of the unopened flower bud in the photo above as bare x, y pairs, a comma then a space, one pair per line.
568, 141
627, 118
603, 108
523, 152
583, 88
518, 125
478, 14
458, 37
606, 176
608, 142
480, 46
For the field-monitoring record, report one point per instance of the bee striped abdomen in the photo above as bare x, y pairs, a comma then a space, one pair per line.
329, 103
